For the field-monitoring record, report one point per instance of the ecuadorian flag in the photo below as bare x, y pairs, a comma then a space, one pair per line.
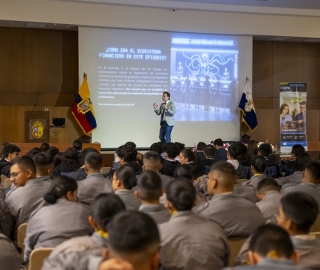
82, 108
246, 106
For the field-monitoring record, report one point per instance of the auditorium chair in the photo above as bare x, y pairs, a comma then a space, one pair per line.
235, 246
37, 257
22, 231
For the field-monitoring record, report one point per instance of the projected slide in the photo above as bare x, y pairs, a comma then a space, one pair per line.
128, 70
204, 73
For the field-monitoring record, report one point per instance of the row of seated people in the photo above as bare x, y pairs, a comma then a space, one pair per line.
123, 180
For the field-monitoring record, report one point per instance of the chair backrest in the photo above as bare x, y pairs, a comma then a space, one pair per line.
271, 171
317, 234
37, 257
3, 178
7, 183
316, 226
105, 170
235, 246
22, 231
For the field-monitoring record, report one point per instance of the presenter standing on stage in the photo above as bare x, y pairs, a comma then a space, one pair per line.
166, 111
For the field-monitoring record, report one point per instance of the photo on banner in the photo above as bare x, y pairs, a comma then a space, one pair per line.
293, 111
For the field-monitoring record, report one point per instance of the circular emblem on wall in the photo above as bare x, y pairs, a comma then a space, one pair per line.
37, 129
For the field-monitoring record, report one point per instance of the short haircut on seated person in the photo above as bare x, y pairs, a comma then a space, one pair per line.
151, 159
259, 164
210, 151
42, 160
270, 237
267, 184
181, 194
133, 232
104, 207
313, 169
149, 186
24, 162
93, 160
183, 171
227, 172
301, 208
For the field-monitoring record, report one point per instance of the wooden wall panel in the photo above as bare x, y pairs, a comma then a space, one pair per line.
13, 129
313, 125
70, 63
19, 60
287, 64
56, 99
262, 76
50, 61
311, 70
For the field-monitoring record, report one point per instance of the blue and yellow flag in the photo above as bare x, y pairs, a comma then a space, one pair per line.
82, 108
246, 105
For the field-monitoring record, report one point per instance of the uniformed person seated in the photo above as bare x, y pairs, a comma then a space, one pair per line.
103, 208
270, 248
187, 240
149, 191
238, 216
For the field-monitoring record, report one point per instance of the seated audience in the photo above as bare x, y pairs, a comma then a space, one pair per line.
44, 165
53, 151
134, 237
9, 152
269, 199
122, 182
234, 151
127, 154
149, 190
157, 147
77, 144
69, 163
311, 177
221, 152
152, 162
209, 153
96, 182
270, 248
28, 196
200, 147
297, 213
243, 157
32, 152
81, 174
6, 220
103, 208
44, 147
63, 219
1, 149
252, 151
288, 165
9, 257
300, 164
265, 150
238, 216
171, 151
192, 160
258, 166
185, 172
180, 249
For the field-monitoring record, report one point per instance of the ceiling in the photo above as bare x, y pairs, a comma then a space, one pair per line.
256, 6
251, 6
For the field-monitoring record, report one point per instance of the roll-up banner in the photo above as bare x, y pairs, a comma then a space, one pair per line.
293, 111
